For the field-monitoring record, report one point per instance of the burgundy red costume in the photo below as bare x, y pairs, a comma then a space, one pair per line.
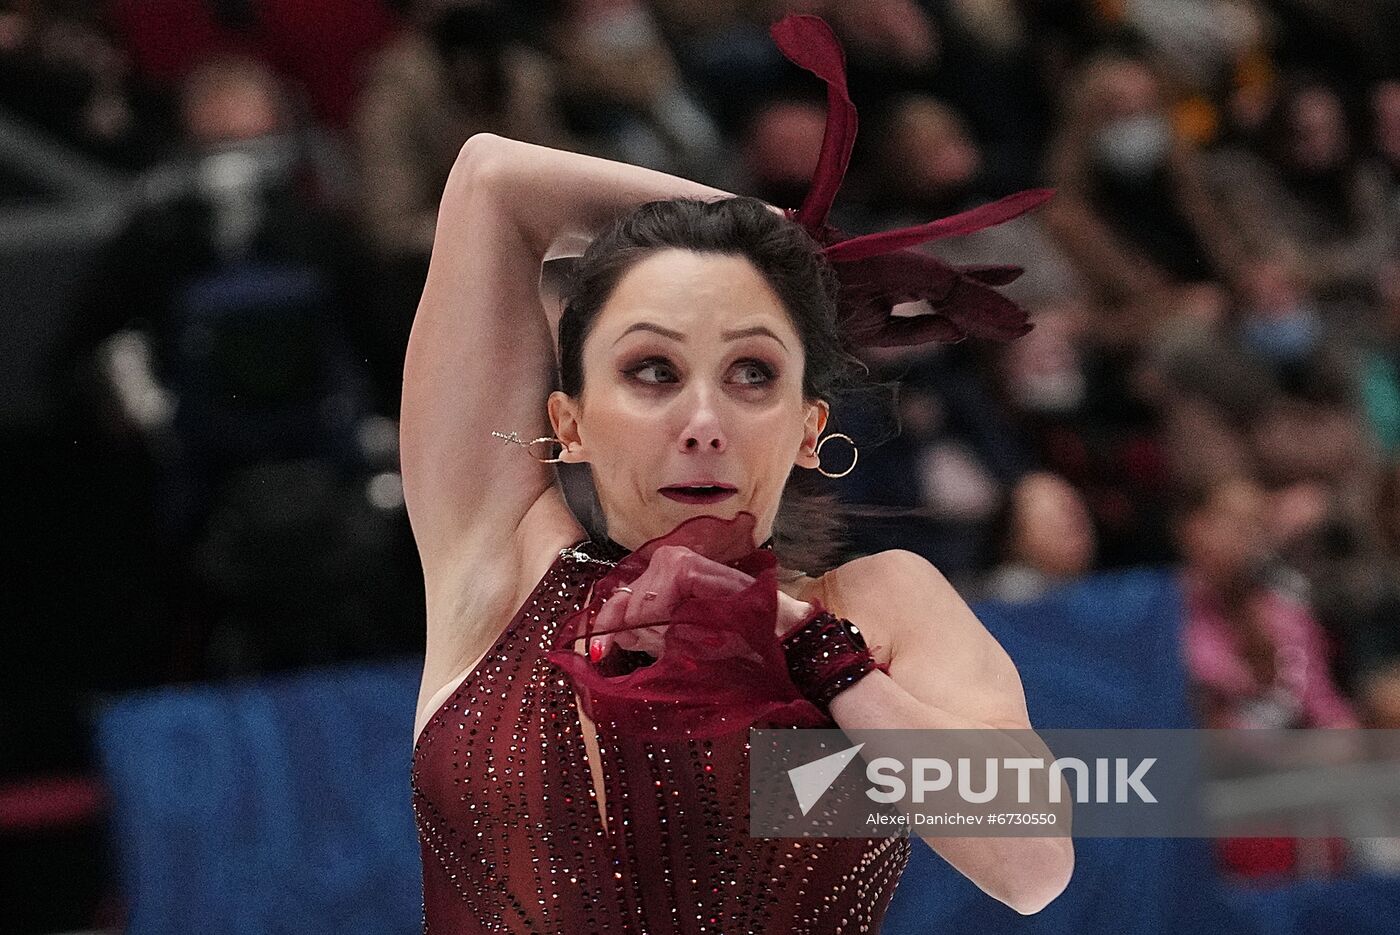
508, 817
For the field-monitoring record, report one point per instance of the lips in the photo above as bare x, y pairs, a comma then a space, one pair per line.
699, 493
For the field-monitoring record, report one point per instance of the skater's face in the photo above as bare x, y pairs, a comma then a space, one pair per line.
693, 376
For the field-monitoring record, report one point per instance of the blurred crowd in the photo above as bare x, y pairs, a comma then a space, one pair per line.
1213, 379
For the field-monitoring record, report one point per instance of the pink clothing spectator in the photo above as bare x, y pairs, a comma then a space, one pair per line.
1301, 693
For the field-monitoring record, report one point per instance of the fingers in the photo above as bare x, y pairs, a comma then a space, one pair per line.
609, 617
674, 574
597, 648
714, 580
650, 639
613, 626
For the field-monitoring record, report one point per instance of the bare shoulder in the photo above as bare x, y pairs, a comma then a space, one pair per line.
937, 648
881, 588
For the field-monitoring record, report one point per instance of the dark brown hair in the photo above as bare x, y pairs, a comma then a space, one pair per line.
809, 532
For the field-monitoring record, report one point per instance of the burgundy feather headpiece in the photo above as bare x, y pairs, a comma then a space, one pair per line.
876, 272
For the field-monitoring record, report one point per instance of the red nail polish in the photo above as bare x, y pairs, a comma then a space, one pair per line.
595, 652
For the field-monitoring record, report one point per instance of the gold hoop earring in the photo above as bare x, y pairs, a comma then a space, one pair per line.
855, 453
513, 437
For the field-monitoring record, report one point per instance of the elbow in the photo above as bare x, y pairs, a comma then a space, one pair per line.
1031, 901
1044, 879
477, 159
477, 147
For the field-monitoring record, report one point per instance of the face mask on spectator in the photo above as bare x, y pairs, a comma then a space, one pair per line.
233, 178
246, 165
1133, 146
1044, 373
1283, 336
1051, 391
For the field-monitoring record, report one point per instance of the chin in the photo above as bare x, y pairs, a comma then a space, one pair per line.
720, 510
704, 509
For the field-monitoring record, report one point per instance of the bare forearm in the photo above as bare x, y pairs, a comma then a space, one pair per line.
1025, 873
553, 193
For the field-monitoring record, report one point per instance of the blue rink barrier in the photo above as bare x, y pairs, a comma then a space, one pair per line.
281, 805
273, 806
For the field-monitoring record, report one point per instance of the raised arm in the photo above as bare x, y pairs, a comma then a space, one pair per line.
481, 354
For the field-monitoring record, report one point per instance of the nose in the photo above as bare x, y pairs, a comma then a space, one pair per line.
703, 431
692, 443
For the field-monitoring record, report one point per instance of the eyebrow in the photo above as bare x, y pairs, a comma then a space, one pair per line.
676, 335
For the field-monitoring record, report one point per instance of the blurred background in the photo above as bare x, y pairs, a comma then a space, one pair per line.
215, 221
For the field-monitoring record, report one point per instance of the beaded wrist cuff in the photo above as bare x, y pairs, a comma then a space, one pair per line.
826, 655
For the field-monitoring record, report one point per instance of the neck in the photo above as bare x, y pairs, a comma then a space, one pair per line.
613, 550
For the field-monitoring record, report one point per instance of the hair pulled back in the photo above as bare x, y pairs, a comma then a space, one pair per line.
808, 530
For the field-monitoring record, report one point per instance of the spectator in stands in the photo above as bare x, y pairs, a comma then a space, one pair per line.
625, 93
991, 71
892, 46
1278, 322
1083, 403
724, 52
319, 47
1353, 577
939, 470
778, 149
1225, 408
1207, 394
1317, 401
232, 297
456, 70
1385, 139
1376, 646
953, 479
1198, 42
926, 164
63, 73
1379, 363
1132, 209
1309, 198
1042, 536
1042, 373
1255, 653
1252, 93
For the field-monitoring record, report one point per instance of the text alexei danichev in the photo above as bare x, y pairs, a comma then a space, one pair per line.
994, 818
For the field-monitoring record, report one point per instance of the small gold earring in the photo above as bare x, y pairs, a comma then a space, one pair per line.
855, 453
513, 437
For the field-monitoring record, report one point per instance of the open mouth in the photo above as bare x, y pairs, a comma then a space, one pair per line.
698, 494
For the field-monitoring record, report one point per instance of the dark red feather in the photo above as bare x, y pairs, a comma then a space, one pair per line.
875, 271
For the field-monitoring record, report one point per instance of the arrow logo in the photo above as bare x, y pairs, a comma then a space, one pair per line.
811, 780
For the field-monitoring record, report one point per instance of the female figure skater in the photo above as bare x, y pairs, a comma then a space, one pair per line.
581, 755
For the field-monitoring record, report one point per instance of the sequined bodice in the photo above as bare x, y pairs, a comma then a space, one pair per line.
512, 839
